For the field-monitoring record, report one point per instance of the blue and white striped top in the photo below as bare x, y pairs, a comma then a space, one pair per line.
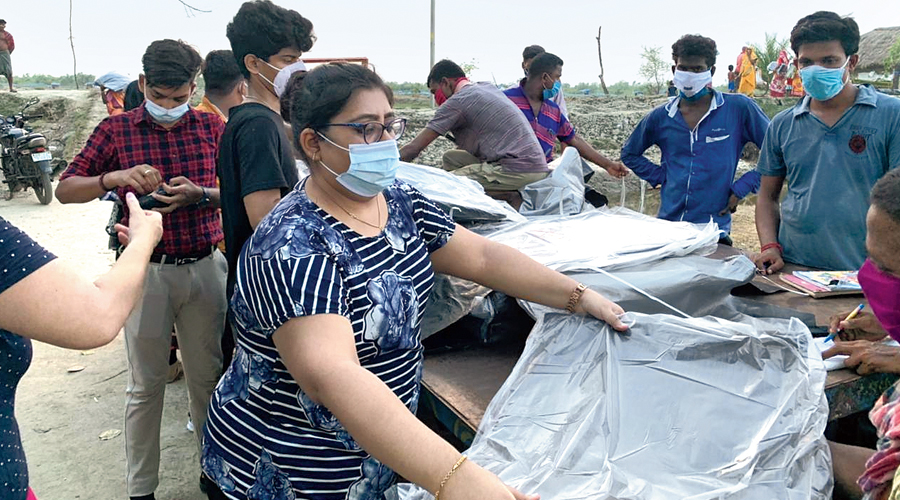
265, 439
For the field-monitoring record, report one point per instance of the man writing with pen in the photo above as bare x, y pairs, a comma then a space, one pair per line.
859, 470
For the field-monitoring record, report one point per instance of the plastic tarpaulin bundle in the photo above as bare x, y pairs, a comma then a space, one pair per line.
605, 238
602, 238
462, 198
676, 408
693, 285
560, 193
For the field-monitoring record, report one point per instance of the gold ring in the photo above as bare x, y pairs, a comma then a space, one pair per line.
147, 172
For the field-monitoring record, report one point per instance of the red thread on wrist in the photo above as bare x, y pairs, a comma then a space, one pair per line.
768, 246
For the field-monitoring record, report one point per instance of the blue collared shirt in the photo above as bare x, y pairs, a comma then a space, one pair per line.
830, 172
698, 166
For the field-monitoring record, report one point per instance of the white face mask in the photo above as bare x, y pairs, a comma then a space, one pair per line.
282, 77
165, 115
689, 83
285, 74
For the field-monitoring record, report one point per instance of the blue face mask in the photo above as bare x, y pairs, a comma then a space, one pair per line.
553, 91
373, 167
163, 115
823, 83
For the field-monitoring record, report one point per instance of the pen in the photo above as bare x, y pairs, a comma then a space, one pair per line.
850, 316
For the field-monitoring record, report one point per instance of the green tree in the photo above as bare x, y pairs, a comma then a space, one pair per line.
893, 59
653, 69
469, 66
768, 52
67, 81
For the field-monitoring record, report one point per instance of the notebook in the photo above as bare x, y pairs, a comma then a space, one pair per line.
818, 284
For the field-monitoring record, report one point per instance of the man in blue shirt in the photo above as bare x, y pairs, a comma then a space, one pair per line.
831, 147
701, 133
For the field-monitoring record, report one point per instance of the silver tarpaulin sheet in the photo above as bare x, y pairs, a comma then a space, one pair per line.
462, 198
602, 238
605, 238
561, 193
676, 408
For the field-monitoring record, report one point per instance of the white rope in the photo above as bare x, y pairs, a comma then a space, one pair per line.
646, 294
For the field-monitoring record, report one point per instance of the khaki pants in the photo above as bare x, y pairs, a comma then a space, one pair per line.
192, 297
490, 175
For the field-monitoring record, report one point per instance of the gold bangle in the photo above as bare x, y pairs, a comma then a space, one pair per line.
575, 297
459, 462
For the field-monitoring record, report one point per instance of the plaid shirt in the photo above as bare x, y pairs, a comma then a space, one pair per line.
551, 124
188, 149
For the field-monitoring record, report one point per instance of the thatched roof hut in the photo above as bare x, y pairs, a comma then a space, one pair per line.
874, 47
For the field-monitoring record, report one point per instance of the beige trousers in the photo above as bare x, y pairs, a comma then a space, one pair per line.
490, 175
192, 298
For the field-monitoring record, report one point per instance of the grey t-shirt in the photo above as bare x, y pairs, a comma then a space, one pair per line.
489, 126
830, 172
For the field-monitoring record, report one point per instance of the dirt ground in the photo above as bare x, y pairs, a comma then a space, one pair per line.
62, 414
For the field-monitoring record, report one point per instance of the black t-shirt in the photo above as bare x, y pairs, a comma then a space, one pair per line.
133, 96
255, 155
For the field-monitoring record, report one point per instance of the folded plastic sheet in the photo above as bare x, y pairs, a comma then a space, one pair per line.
694, 285
605, 238
602, 238
560, 193
676, 408
462, 198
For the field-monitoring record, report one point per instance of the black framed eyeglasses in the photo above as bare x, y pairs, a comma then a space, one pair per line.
372, 132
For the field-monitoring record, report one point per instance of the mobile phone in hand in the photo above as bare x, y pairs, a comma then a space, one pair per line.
148, 202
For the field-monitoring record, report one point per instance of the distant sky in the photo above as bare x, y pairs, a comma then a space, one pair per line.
395, 35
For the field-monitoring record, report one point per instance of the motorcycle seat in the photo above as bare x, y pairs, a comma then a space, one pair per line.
32, 140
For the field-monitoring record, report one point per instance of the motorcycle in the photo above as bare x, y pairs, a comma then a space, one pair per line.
24, 157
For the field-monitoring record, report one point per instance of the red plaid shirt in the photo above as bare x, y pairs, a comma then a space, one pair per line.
188, 149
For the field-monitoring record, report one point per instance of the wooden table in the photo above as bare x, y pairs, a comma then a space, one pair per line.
458, 385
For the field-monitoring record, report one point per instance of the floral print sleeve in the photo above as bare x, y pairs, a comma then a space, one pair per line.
292, 267
435, 226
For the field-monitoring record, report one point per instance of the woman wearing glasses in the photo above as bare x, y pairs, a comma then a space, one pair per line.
319, 402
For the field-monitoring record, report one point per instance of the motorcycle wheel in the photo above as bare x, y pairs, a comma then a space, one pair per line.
44, 190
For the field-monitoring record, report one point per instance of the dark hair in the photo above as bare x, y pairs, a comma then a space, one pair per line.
170, 64
886, 194
263, 29
824, 26
731, 67
294, 84
220, 72
2, 21
444, 68
324, 93
544, 63
695, 45
532, 51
